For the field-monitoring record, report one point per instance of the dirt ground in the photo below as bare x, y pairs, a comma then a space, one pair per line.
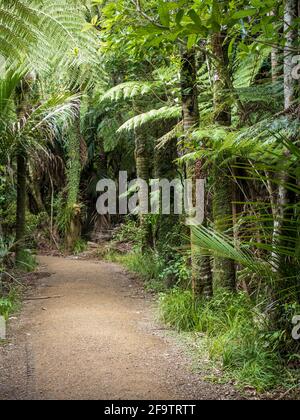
95, 338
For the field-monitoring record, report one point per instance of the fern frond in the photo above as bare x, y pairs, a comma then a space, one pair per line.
38, 31
130, 90
165, 113
249, 67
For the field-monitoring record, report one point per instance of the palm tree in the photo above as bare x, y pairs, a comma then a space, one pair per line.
26, 131
34, 33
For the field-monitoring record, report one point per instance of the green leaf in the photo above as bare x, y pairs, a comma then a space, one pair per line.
164, 14
179, 16
192, 39
244, 13
195, 18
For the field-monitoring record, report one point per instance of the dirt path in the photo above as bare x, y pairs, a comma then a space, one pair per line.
99, 340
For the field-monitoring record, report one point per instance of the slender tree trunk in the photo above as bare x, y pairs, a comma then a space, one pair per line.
35, 192
224, 269
73, 208
21, 205
283, 222
201, 264
22, 104
77, 157
290, 16
142, 161
275, 59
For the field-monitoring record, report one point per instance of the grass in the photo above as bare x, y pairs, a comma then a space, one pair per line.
235, 335
80, 246
148, 267
27, 261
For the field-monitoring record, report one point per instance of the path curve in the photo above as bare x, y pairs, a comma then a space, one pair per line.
97, 340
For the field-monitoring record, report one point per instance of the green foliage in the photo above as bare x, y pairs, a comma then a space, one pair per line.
237, 334
67, 204
155, 115
27, 261
130, 231
79, 247
130, 90
148, 266
125, 59
163, 266
9, 303
176, 270
36, 31
177, 310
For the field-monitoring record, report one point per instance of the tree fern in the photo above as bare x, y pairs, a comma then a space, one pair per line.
40, 30
130, 90
165, 113
249, 66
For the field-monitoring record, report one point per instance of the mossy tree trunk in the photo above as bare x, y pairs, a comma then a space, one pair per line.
23, 94
143, 170
201, 263
21, 205
73, 208
165, 167
224, 269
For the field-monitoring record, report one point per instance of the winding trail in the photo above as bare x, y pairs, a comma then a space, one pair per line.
97, 339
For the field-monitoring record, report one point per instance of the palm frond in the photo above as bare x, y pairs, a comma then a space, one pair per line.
213, 242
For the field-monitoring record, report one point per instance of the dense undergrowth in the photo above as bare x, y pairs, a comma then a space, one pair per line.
237, 334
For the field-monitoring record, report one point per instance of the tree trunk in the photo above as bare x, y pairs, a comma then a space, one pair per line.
77, 159
22, 104
283, 224
35, 192
73, 208
201, 264
275, 59
224, 269
21, 206
142, 161
290, 16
